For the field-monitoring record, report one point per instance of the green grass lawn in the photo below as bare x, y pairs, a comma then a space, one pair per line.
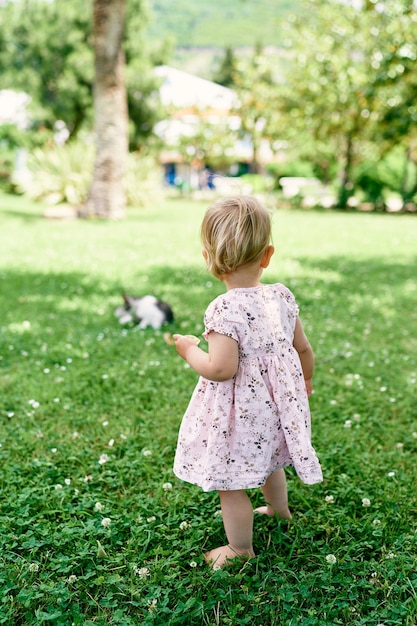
95, 529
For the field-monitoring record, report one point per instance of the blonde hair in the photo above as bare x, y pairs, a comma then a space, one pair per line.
235, 231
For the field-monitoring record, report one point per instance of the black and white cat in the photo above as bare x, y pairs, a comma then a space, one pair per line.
145, 311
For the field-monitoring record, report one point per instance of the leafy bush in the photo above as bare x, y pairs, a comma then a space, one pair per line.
63, 174
259, 183
143, 180
297, 168
375, 178
60, 174
11, 139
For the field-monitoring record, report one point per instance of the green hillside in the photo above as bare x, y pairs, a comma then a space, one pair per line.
220, 23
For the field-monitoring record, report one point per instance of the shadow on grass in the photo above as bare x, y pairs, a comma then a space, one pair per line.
337, 286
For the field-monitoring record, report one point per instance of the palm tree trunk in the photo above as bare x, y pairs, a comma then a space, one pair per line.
107, 198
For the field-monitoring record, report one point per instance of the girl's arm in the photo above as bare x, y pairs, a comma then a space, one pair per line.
305, 352
218, 364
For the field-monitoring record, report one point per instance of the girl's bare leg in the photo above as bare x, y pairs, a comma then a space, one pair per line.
276, 496
238, 523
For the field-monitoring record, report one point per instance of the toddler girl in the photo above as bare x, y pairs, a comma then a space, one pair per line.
249, 416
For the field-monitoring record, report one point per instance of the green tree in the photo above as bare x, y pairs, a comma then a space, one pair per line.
226, 72
397, 81
334, 96
255, 89
47, 50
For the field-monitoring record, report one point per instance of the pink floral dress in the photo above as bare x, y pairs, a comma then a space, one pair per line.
236, 433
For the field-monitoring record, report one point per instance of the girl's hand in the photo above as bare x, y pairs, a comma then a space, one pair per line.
309, 386
221, 361
183, 343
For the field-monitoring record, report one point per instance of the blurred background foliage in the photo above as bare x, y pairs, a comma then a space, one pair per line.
330, 85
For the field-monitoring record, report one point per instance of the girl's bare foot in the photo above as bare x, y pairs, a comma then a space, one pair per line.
219, 557
270, 512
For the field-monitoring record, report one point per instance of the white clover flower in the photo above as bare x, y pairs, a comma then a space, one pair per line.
218, 513
58, 487
46, 370
67, 481
147, 452
167, 486
87, 478
348, 424
376, 522
56, 400
366, 502
390, 555
400, 446
142, 572
75, 434
391, 474
106, 521
331, 559
72, 579
333, 402
216, 567
193, 564
152, 605
98, 506
39, 435
54, 450
150, 519
103, 459
185, 526
329, 499
382, 389
34, 567
111, 443
105, 423
10, 413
